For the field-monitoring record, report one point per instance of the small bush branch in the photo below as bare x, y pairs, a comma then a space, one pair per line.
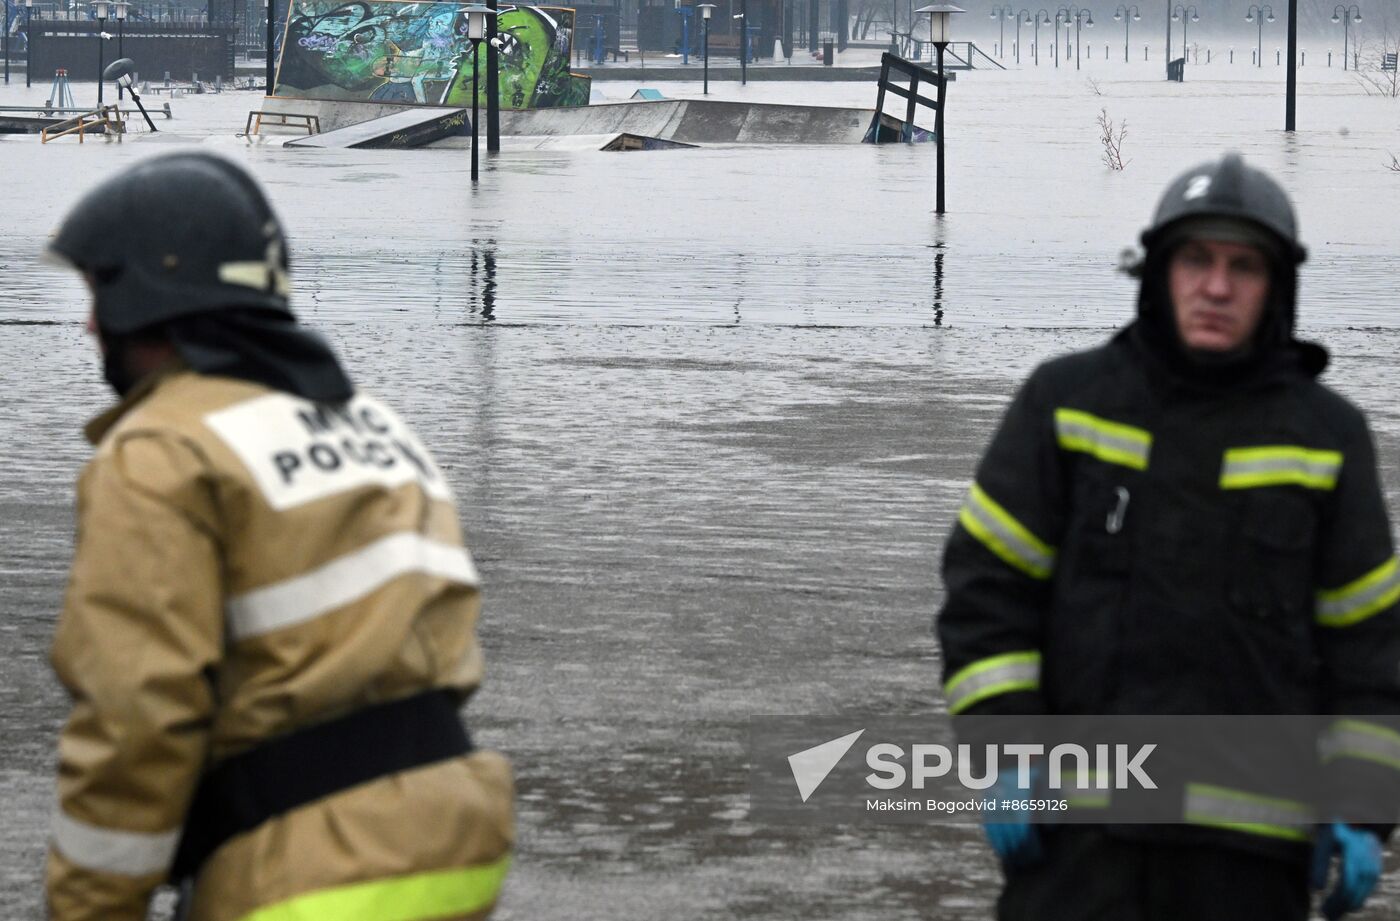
1094, 86
1112, 140
1394, 164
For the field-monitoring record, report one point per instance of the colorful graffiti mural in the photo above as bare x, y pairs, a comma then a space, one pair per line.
417, 53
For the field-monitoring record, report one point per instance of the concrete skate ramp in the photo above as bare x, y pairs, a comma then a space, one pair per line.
697, 121
398, 131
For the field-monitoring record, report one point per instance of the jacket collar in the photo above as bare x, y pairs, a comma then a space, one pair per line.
100, 425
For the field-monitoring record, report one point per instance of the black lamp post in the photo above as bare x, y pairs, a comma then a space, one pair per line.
1042, 18
1002, 13
7, 42
101, 8
1186, 13
940, 34
121, 10
1022, 17
706, 10
28, 42
476, 31
269, 7
1127, 14
1343, 14
1256, 14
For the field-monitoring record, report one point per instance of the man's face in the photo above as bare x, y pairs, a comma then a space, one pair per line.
1218, 293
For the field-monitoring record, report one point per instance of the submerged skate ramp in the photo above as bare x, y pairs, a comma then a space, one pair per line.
697, 121
399, 131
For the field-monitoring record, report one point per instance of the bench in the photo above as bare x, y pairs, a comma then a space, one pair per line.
312, 123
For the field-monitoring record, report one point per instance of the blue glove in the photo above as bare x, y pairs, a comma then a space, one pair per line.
1014, 839
1360, 859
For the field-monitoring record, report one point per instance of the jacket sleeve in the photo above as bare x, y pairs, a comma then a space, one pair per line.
1358, 637
141, 624
999, 562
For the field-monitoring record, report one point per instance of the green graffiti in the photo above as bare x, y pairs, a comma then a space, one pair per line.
418, 53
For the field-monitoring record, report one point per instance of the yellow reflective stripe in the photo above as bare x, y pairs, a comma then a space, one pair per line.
1012, 671
1221, 807
1358, 600
1111, 442
417, 897
1002, 534
1363, 740
1280, 465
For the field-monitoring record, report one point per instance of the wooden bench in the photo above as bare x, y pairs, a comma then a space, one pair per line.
105, 120
312, 123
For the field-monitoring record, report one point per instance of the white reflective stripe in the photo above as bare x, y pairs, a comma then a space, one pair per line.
1246, 812
344, 580
1358, 600
1359, 739
107, 850
1015, 671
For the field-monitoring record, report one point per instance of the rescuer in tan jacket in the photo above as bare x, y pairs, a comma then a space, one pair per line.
270, 625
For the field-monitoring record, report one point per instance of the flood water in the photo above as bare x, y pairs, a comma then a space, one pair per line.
709, 415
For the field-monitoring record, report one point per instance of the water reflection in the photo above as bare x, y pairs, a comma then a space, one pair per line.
938, 247
483, 280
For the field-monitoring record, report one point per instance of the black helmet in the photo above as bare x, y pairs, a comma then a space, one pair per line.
175, 236
1231, 190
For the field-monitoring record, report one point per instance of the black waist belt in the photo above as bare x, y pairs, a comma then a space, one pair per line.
309, 764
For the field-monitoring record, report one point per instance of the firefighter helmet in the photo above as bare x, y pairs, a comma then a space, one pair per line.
174, 236
1228, 189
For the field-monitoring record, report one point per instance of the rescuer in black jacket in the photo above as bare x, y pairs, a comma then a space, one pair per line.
1184, 521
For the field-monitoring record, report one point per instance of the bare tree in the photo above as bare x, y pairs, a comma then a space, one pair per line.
1370, 74
1094, 86
1394, 165
1112, 140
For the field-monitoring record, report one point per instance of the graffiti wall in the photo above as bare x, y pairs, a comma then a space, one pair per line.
417, 53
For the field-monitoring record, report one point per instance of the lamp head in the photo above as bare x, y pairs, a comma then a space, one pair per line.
476, 21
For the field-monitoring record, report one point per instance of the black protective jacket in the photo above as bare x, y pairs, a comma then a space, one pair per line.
1140, 542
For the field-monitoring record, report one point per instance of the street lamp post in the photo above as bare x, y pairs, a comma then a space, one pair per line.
1188, 13
476, 31
270, 13
1079, 18
706, 11
743, 17
7, 43
1042, 18
121, 10
493, 78
940, 34
1344, 14
1256, 14
1127, 14
1055, 51
28, 42
1021, 17
101, 9
1002, 12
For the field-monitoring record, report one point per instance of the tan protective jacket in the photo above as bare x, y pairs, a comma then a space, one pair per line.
249, 563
